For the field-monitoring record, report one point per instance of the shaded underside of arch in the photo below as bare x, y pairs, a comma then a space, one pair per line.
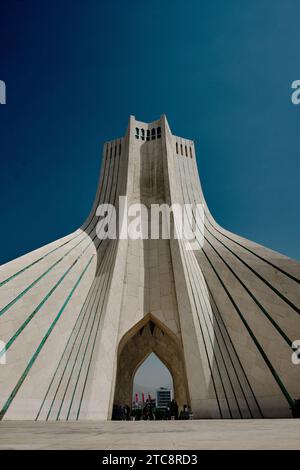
139, 342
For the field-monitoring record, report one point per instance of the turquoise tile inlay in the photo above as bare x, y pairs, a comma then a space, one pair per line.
2, 283
35, 311
41, 345
12, 302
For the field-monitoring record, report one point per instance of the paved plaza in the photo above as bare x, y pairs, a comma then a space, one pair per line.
200, 434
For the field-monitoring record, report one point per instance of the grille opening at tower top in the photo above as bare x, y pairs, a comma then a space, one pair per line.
151, 134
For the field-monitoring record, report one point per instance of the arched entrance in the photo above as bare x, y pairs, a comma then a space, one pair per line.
149, 335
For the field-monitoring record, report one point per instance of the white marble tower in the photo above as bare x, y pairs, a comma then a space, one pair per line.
79, 315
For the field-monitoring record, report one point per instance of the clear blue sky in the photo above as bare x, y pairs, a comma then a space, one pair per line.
220, 70
151, 375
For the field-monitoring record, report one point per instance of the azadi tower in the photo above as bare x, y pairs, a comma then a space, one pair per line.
78, 316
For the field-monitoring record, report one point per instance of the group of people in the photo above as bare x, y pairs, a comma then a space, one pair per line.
121, 413
149, 412
172, 411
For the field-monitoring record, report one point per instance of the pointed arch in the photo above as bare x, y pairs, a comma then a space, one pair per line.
146, 336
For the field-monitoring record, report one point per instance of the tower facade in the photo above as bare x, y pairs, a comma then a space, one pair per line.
79, 315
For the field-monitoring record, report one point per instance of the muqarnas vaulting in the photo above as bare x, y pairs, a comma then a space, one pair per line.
80, 314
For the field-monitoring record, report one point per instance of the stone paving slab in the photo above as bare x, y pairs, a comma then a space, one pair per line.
202, 434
